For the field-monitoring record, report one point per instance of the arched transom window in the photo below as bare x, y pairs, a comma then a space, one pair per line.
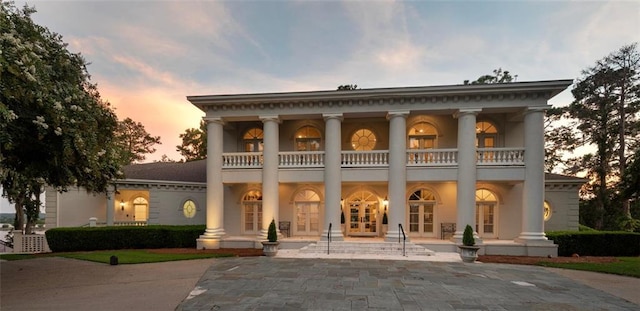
363, 140
252, 212
486, 135
547, 211
421, 213
486, 202
308, 139
253, 140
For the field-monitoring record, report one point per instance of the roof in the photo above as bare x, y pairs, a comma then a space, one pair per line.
193, 171
551, 177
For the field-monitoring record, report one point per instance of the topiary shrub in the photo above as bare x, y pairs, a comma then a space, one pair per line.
342, 220
467, 236
272, 234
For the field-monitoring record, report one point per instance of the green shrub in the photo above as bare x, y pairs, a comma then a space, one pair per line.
596, 243
585, 228
467, 236
272, 234
103, 238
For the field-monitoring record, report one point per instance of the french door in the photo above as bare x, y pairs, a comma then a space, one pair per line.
363, 218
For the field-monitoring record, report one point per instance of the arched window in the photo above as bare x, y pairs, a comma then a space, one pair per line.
307, 203
422, 136
486, 135
252, 212
363, 214
308, 139
363, 140
421, 213
140, 209
253, 140
486, 202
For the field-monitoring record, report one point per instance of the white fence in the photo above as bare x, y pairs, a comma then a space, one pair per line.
30, 243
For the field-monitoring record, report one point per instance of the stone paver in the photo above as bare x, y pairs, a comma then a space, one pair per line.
262, 283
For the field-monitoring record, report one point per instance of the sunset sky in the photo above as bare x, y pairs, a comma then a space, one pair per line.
147, 56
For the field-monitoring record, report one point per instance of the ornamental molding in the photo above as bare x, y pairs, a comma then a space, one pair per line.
406, 103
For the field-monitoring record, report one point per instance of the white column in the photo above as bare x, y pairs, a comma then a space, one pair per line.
332, 176
270, 195
110, 205
466, 183
533, 192
215, 189
397, 173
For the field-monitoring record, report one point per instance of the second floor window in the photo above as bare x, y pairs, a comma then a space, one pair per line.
363, 140
307, 139
422, 136
253, 140
486, 135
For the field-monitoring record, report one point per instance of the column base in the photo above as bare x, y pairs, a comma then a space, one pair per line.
533, 238
210, 239
336, 235
392, 236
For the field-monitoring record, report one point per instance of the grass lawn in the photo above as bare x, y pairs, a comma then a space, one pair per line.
628, 266
125, 256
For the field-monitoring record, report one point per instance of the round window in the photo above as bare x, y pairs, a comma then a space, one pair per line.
189, 208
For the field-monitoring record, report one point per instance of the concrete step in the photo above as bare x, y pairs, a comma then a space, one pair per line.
382, 248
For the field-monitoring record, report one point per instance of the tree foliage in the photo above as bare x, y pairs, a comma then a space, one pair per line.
134, 141
194, 143
54, 127
347, 87
498, 76
605, 116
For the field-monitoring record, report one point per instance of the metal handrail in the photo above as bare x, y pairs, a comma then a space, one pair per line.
328, 238
404, 241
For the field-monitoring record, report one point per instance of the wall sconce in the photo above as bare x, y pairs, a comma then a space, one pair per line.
385, 202
122, 205
341, 203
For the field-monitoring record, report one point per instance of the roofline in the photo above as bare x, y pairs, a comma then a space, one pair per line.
163, 182
553, 86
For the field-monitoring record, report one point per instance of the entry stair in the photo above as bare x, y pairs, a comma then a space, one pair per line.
376, 248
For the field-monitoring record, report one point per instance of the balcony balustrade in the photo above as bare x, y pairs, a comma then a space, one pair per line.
377, 158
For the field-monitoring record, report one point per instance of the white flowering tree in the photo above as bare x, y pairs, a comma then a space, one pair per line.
54, 127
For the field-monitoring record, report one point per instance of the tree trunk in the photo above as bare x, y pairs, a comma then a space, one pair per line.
19, 206
621, 152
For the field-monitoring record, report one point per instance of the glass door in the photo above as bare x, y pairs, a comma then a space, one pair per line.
363, 218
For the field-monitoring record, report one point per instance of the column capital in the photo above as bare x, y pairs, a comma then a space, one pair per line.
217, 120
535, 109
465, 111
268, 118
337, 116
397, 113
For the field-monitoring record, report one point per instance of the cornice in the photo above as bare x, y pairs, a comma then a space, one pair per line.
406, 96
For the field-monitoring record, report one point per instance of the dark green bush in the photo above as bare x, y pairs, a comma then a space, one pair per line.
103, 238
596, 243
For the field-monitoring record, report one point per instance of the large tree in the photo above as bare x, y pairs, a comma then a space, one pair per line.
55, 129
498, 76
605, 116
194, 143
134, 141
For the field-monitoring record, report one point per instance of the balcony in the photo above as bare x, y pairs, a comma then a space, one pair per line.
486, 157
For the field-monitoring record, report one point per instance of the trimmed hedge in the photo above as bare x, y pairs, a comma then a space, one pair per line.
596, 243
104, 238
